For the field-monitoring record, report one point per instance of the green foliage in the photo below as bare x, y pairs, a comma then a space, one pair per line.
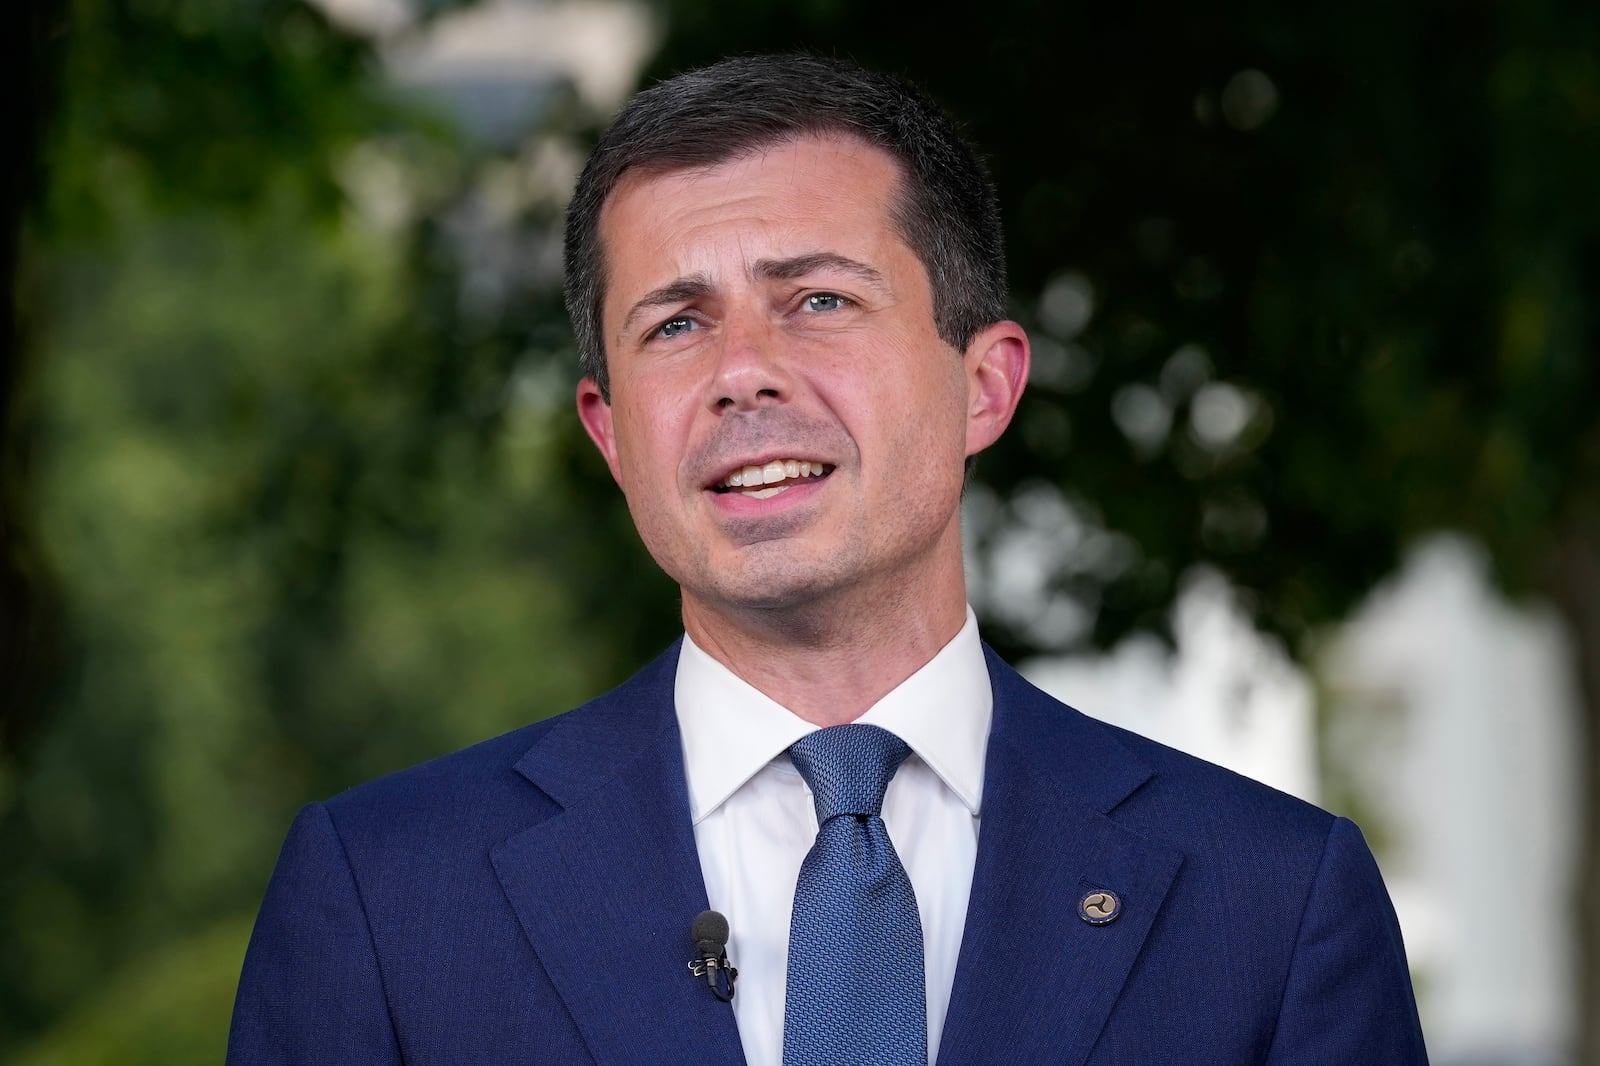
172, 104
285, 568
306, 514
171, 1008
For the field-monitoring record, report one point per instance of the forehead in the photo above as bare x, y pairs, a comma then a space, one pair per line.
809, 194
821, 154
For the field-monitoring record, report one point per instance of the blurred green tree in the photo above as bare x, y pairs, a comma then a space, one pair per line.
298, 513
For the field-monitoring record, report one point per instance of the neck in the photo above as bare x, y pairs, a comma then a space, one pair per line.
825, 662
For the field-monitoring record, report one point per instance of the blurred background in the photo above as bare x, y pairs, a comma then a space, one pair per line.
1307, 480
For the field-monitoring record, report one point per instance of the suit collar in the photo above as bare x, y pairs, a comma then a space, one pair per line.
585, 750
1036, 982
731, 730
606, 889
1080, 758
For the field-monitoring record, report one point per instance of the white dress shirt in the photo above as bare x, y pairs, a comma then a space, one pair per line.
754, 820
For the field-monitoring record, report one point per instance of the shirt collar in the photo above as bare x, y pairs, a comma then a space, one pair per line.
731, 730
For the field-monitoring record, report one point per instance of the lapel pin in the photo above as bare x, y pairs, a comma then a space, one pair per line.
1099, 907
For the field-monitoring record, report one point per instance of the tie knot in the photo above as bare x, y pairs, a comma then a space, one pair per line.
848, 767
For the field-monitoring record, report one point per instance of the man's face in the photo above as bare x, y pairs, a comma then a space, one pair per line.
785, 421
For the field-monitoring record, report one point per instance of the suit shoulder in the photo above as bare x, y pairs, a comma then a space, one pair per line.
1171, 791
1201, 777
467, 792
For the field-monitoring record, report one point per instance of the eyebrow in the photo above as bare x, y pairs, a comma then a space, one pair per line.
679, 290
801, 265
698, 286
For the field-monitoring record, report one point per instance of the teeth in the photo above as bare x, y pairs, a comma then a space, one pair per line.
751, 478
762, 494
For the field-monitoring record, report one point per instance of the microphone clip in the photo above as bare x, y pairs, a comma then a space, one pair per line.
710, 936
718, 974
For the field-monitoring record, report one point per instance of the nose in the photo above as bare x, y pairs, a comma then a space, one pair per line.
751, 371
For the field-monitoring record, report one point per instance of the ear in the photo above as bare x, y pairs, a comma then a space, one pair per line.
594, 411
997, 369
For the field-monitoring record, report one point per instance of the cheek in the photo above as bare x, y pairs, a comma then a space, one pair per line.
650, 446
943, 401
916, 400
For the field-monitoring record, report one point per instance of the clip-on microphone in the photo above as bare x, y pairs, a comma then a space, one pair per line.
710, 935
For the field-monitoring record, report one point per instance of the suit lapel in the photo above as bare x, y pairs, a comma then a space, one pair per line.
1035, 982
606, 890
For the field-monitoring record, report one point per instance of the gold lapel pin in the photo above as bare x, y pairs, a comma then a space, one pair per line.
1099, 907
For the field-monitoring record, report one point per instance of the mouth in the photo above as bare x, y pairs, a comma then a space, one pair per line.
768, 479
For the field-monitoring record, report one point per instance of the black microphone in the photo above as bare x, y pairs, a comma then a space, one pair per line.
710, 935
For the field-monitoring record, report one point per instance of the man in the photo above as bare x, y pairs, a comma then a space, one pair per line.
786, 281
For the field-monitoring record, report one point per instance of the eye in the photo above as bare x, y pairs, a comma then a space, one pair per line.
825, 301
673, 327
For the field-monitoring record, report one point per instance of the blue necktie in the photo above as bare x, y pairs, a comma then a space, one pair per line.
855, 995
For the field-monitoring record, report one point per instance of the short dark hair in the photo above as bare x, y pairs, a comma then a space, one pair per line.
945, 209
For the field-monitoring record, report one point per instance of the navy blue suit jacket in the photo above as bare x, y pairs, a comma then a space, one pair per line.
528, 900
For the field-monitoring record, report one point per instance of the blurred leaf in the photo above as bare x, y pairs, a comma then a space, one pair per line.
168, 1008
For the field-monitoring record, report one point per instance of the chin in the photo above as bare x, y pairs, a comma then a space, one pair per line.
790, 593
768, 585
